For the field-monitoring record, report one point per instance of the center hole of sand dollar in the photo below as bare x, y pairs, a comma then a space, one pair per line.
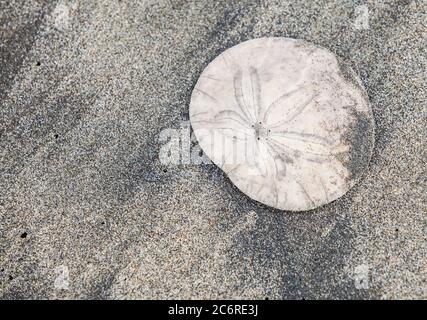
260, 131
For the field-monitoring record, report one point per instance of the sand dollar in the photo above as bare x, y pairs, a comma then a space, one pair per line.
286, 120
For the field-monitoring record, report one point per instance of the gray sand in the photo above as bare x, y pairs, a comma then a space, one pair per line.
87, 209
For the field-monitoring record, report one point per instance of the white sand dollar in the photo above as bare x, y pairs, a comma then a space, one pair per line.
287, 121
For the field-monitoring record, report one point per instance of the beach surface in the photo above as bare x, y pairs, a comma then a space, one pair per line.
88, 210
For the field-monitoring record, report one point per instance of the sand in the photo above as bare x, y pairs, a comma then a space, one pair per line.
88, 209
